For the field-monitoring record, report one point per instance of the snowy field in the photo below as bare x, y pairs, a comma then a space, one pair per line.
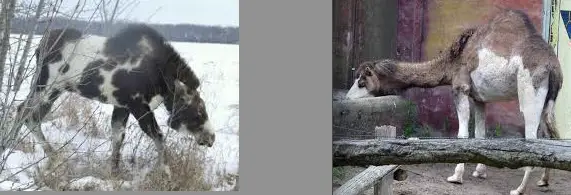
88, 133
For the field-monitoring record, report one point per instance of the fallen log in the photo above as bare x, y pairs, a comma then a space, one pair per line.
500, 153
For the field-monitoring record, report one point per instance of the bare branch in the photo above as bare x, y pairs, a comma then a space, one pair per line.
7, 14
19, 77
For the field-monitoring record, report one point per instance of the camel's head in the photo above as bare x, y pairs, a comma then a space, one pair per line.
375, 78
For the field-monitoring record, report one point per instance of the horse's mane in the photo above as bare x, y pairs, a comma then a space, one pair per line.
175, 66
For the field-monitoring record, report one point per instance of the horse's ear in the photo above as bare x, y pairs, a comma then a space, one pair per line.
179, 86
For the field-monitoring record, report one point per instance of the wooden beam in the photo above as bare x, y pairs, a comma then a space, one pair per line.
367, 179
510, 153
380, 177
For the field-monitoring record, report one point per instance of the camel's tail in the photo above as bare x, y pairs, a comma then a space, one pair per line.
460, 43
548, 115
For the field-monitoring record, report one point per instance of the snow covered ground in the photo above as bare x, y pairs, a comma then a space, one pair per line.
216, 64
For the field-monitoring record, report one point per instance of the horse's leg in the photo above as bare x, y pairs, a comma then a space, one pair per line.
149, 125
531, 102
118, 122
461, 88
33, 111
479, 133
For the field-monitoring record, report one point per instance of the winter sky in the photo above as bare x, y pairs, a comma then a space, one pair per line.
204, 12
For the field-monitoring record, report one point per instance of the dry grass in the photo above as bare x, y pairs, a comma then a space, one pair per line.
26, 146
186, 163
57, 175
77, 111
186, 168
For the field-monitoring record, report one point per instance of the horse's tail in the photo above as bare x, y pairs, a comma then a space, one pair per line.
460, 43
548, 115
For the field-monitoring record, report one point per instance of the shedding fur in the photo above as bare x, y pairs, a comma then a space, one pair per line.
505, 59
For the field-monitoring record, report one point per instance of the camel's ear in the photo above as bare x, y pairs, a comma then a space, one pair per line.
368, 71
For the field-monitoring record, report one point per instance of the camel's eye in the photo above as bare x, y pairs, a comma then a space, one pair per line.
361, 83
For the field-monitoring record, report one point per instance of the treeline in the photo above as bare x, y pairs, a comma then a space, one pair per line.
173, 32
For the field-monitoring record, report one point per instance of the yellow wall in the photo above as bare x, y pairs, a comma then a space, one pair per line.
562, 106
447, 18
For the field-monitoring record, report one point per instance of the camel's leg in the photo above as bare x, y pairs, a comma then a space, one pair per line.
548, 123
479, 133
462, 102
118, 123
544, 181
531, 101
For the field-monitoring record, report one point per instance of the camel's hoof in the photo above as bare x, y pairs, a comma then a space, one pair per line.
479, 175
542, 183
515, 192
454, 179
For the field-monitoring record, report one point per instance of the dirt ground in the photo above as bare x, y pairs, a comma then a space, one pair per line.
430, 179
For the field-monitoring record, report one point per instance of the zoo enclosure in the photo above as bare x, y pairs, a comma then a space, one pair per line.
415, 30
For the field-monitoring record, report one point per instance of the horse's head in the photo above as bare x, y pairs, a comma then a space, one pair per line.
188, 115
375, 78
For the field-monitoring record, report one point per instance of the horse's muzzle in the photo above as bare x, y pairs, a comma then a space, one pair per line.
207, 139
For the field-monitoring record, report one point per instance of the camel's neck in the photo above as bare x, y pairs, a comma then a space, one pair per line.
426, 74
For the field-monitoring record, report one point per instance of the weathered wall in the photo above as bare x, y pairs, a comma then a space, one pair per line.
362, 30
410, 29
342, 41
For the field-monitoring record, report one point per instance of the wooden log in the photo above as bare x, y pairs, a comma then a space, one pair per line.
510, 153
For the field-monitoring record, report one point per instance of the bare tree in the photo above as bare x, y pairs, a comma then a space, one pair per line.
19, 75
6, 17
108, 17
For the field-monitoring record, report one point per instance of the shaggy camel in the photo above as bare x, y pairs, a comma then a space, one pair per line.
502, 60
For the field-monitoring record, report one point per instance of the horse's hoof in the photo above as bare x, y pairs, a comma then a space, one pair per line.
542, 183
479, 175
115, 173
515, 192
167, 171
454, 179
